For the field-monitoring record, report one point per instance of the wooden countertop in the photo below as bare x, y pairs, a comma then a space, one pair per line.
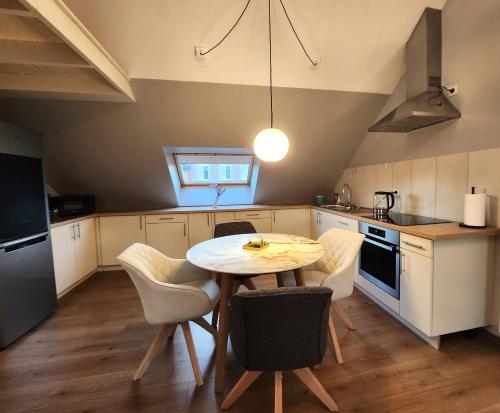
178, 210
433, 232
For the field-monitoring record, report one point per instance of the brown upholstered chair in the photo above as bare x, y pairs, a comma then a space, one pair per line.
264, 338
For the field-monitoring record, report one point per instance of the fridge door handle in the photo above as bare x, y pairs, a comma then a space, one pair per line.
23, 243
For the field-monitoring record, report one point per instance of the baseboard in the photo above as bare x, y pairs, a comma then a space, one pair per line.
73, 286
432, 341
109, 268
490, 334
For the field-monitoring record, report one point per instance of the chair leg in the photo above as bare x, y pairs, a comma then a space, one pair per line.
313, 384
278, 392
172, 330
247, 282
279, 280
192, 352
205, 325
215, 315
236, 286
152, 350
239, 388
335, 341
338, 309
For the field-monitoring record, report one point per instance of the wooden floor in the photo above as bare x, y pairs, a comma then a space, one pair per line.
83, 358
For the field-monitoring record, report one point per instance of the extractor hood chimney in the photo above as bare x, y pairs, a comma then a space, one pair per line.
425, 103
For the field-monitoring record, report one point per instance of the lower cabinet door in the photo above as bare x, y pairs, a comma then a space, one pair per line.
291, 221
63, 250
200, 228
260, 224
415, 302
170, 238
86, 251
118, 233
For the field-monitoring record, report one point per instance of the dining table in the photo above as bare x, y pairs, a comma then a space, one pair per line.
226, 257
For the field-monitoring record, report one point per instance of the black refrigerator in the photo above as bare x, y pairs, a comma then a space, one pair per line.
27, 284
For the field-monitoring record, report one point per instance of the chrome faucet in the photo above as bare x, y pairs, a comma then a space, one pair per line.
346, 191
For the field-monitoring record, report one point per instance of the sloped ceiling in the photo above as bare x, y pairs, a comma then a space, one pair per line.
114, 150
361, 43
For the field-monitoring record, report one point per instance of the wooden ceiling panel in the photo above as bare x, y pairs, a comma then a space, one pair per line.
25, 29
13, 7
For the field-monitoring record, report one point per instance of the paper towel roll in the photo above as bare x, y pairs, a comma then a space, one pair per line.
475, 210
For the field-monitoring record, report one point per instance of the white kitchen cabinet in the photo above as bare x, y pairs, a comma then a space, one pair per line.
117, 233
86, 250
223, 217
170, 238
262, 225
347, 224
321, 222
291, 221
75, 253
64, 252
200, 227
416, 290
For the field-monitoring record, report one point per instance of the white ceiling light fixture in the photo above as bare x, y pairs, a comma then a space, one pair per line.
270, 144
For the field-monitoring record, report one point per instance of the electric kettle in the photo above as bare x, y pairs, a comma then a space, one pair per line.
382, 203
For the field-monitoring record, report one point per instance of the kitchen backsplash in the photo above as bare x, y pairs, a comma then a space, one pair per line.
433, 186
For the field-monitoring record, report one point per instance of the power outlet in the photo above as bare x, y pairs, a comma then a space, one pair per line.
198, 52
451, 90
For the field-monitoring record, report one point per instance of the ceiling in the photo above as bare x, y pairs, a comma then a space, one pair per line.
361, 43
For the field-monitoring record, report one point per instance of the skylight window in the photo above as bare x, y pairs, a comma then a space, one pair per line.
205, 169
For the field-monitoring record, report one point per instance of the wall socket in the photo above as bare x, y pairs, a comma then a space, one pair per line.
198, 50
453, 87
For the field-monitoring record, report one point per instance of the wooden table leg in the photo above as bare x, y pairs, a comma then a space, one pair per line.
222, 335
299, 277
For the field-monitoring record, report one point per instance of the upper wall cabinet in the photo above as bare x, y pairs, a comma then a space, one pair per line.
47, 52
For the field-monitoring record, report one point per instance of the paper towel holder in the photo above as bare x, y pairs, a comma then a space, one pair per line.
461, 224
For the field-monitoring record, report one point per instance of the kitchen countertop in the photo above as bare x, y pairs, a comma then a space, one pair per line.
434, 232
177, 210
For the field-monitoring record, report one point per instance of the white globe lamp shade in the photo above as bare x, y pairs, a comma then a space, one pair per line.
271, 145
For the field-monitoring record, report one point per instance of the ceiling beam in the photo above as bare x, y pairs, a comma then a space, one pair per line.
57, 16
13, 7
81, 84
34, 53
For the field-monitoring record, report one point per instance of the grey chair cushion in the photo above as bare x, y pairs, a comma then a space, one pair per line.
280, 329
233, 228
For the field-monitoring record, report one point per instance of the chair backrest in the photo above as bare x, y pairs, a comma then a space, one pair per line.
341, 248
280, 329
150, 272
233, 228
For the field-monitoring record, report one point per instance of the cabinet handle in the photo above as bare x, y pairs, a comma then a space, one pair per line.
411, 244
184, 229
140, 222
253, 215
343, 223
403, 263
319, 217
208, 220
165, 218
78, 234
73, 234
274, 217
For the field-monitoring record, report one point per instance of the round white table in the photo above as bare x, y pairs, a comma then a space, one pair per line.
226, 257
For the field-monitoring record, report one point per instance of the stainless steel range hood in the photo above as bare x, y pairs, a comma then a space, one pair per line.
425, 105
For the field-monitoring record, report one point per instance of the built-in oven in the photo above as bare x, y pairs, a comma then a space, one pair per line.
380, 257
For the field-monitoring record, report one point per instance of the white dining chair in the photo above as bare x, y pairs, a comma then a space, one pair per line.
172, 292
335, 270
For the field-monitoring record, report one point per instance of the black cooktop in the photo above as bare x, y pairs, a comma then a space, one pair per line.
407, 219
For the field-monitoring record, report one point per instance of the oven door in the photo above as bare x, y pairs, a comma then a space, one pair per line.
380, 265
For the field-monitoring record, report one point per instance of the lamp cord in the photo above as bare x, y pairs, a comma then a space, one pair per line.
270, 60
314, 63
228, 33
